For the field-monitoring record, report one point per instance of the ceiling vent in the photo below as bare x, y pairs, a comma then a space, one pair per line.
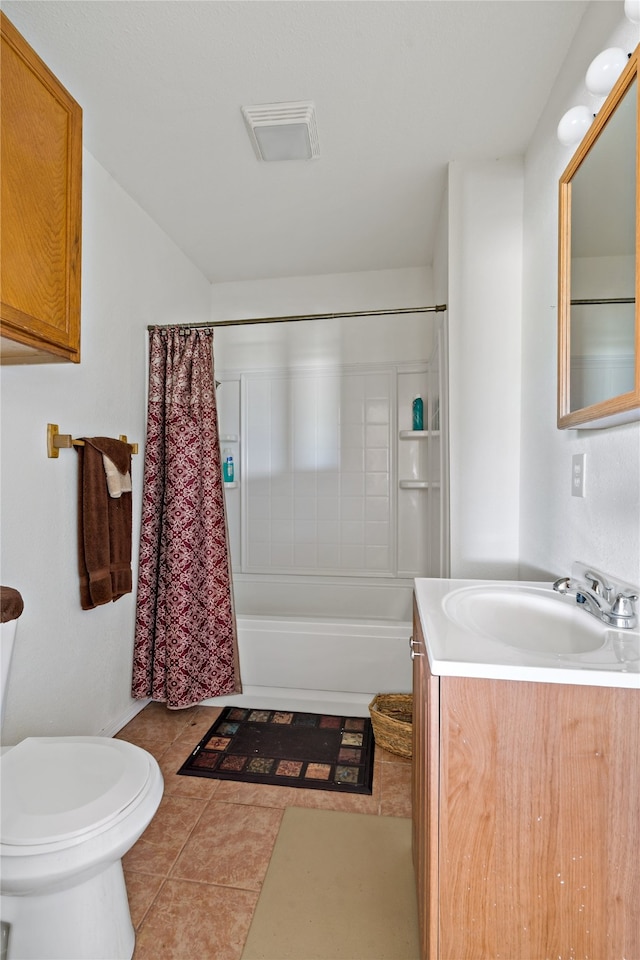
283, 131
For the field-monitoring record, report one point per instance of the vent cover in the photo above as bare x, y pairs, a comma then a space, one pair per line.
283, 131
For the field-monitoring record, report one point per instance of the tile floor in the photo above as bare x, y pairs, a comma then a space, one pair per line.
195, 875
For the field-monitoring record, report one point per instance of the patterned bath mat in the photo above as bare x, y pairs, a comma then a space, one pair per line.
313, 750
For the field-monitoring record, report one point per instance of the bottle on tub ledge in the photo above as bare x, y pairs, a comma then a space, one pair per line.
227, 466
418, 414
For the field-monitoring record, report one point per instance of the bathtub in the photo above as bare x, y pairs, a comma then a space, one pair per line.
321, 644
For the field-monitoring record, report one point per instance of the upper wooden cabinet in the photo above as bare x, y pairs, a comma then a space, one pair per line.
41, 132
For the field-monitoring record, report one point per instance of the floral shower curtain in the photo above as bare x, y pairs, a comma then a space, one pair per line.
185, 646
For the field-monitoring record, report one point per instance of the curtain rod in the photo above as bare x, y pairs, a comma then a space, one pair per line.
438, 308
600, 300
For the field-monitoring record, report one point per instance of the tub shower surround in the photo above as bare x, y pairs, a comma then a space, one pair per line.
330, 478
318, 473
334, 508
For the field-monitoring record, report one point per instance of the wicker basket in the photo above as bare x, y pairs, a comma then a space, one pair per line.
391, 718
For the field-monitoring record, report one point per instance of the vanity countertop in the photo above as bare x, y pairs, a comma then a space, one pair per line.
455, 650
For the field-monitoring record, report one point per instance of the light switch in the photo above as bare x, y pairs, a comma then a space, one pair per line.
577, 474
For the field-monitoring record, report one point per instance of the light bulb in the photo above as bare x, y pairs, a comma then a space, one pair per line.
605, 70
632, 10
574, 125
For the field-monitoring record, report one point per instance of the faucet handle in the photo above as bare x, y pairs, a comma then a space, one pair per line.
622, 606
562, 584
598, 586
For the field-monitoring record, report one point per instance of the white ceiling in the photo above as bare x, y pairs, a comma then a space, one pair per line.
400, 89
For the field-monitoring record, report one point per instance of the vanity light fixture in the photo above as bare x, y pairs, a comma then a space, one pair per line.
601, 77
574, 125
283, 131
632, 10
600, 80
605, 70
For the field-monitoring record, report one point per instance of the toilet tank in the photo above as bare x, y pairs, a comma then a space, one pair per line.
10, 608
7, 638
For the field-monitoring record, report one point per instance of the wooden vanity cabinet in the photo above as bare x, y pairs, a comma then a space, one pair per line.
41, 133
526, 818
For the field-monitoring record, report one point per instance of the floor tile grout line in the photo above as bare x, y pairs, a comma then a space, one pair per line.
213, 883
199, 883
188, 837
138, 926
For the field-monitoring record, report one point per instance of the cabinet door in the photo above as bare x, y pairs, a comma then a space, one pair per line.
425, 786
41, 128
539, 820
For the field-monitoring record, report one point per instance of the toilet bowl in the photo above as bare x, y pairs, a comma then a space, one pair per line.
70, 808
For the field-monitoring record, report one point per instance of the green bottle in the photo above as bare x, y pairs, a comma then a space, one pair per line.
418, 414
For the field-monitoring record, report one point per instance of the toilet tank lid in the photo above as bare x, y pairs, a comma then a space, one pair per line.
57, 788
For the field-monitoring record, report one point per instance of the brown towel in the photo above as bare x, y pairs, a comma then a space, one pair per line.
104, 524
11, 604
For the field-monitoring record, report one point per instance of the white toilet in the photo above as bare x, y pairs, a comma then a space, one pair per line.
71, 808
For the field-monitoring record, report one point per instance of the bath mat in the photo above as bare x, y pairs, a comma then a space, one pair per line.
338, 885
313, 750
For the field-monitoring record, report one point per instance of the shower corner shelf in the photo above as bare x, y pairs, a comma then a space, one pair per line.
417, 484
418, 434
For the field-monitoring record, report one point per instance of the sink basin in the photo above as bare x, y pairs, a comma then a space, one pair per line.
525, 618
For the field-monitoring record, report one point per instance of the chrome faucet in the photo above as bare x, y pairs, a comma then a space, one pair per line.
611, 602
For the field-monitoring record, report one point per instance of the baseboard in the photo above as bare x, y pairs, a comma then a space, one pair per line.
117, 725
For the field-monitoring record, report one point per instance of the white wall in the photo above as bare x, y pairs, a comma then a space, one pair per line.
484, 309
325, 293
602, 529
326, 343
71, 672
441, 251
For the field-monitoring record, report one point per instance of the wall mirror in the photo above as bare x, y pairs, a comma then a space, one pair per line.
598, 326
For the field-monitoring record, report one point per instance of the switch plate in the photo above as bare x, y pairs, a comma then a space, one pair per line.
577, 474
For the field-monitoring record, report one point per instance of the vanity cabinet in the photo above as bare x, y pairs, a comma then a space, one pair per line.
526, 817
41, 133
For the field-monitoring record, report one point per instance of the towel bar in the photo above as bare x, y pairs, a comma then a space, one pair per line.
63, 441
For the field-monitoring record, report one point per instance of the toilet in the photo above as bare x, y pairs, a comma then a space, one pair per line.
71, 807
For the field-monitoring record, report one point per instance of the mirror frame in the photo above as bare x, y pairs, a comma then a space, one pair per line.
626, 406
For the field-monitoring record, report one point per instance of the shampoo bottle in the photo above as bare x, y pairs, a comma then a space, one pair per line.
418, 414
227, 465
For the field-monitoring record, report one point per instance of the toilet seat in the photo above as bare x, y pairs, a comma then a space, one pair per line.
60, 788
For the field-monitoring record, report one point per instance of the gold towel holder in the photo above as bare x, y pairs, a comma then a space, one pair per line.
64, 441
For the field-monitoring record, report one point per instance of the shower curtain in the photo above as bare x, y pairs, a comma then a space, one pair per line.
185, 647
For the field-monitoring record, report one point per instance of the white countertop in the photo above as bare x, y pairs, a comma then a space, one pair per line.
459, 652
